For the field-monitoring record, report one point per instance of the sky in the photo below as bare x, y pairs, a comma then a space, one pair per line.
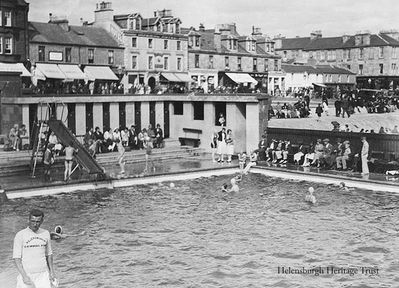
289, 18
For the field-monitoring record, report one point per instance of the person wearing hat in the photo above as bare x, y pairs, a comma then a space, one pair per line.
328, 149
318, 153
341, 160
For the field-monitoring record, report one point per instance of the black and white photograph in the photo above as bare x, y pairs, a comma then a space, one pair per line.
199, 144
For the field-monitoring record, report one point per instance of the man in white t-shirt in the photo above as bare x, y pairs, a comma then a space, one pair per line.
33, 256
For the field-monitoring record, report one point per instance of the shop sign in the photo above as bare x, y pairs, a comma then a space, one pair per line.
55, 56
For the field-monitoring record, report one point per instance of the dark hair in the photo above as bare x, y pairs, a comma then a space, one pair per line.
36, 213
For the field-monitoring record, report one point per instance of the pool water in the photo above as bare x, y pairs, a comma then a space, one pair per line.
194, 235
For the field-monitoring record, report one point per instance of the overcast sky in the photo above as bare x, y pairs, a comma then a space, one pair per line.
287, 17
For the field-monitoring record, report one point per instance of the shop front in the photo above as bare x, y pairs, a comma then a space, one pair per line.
231, 82
203, 82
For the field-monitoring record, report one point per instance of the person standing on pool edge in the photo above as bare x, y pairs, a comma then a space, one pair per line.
33, 256
364, 156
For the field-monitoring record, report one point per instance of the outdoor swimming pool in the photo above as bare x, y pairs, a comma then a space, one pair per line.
195, 236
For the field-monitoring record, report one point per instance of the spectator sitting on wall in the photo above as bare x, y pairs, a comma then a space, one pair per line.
14, 137
270, 150
88, 138
382, 130
395, 130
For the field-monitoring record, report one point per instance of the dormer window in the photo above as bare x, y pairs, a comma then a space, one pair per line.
232, 43
272, 47
251, 44
197, 41
159, 27
194, 41
177, 28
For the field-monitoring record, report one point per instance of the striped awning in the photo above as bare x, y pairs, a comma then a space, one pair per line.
241, 78
15, 67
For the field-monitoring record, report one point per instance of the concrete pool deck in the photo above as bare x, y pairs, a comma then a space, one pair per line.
183, 168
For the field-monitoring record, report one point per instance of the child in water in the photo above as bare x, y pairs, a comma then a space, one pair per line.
234, 186
310, 197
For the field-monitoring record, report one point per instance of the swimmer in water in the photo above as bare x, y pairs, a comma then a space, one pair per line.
234, 186
343, 186
58, 234
310, 197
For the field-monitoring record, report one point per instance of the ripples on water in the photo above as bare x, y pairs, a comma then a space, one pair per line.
195, 236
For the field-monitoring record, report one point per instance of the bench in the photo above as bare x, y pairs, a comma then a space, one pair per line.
195, 141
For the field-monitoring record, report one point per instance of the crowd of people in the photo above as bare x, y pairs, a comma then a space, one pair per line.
321, 154
76, 87
347, 104
98, 142
17, 138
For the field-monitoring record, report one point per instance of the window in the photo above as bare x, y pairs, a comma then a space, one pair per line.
178, 45
178, 108
361, 52
381, 68
198, 110
8, 45
230, 44
393, 68
165, 44
1, 43
42, 53
255, 64
190, 41
371, 53
150, 62
149, 43
134, 42
266, 65
134, 62
179, 66
226, 62
90, 56
196, 61
111, 57
322, 55
276, 66
381, 52
239, 63
68, 55
220, 108
197, 39
360, 69
1, 18
210, 64
349, 53
253, 45
7, 18
166, 63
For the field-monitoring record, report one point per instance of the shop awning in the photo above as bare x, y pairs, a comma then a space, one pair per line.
15, 67
50, 71
241, 78
100, 73
72, 72
320, 85
183, 77
171, 77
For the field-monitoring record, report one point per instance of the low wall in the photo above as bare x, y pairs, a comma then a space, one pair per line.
386, 143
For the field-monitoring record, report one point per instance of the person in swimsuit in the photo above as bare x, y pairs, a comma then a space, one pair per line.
242, 160
234, 186
59, 234
214, 145
252, 161
69, 155
310, 197
147, 143
121, 151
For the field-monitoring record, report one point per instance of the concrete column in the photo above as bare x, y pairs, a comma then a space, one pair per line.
129, 114
235, 115
252, 126
80, 118
25, 117
159, 117
114, 115
145, 114
62, 112
97, 115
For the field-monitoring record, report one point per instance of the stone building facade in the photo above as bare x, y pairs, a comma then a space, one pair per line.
215, 53
373, 57
155, 48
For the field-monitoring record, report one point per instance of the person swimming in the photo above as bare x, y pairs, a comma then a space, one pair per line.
310, 197
58, 234
234, 187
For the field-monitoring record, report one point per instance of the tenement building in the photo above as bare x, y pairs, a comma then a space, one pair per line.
69, 59
373, 57
14, 55
222, 60
155, 49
